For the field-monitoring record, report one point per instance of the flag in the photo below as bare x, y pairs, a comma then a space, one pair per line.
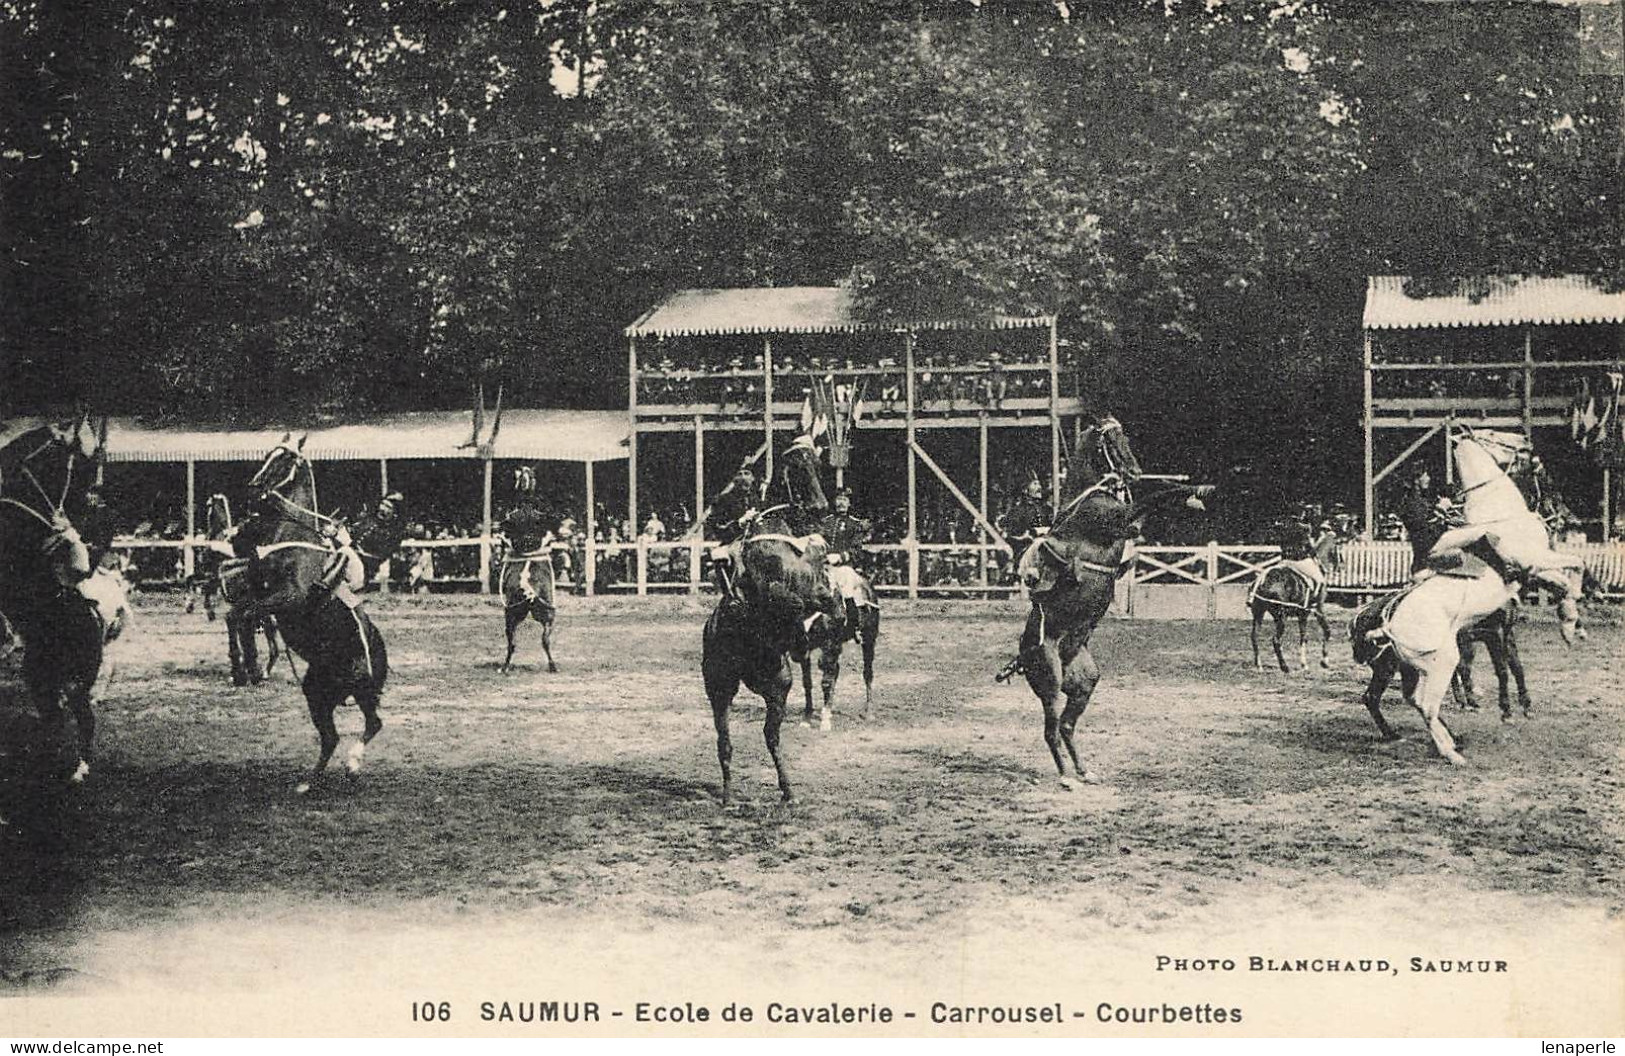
815, 409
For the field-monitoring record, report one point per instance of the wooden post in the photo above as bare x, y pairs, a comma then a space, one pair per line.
1449, 463
592, 533
767, 409
1212, 579
1370, 455
698, 532
1607, 505
913, 498
383, 489
1054, 420
485, 532
632, 434
1528, 382
187, 558
981, 496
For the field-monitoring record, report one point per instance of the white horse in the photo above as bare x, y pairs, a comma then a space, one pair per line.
1497, 514
1461, 588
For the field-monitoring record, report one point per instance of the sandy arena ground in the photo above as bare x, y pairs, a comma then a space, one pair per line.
533, 836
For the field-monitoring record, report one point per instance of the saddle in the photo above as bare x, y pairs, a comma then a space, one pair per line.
1314, 587
524, 562
1046, 561
1369, 628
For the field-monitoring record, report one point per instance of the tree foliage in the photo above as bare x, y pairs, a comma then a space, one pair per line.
333, 206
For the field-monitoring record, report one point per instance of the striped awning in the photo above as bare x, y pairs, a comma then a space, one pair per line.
540, 435
1503, 300
789, 310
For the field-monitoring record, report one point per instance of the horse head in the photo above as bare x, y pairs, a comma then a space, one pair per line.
285, 477
1482, 454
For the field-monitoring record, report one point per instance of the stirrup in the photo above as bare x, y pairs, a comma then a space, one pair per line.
1010, 670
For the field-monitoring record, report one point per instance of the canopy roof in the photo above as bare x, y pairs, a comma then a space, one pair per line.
1508, 300
789, 310
543, 435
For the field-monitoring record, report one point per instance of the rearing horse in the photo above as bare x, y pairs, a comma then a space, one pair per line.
44, 474
1474, 571
782, 605
1071, 575
291, 552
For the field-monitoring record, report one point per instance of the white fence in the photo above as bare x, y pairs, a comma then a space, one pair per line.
1162, 581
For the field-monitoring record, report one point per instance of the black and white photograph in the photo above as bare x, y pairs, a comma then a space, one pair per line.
812, 518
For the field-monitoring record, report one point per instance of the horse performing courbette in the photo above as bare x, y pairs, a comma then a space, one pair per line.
591, 784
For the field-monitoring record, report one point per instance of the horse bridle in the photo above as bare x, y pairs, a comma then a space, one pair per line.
1521, 447
318, 519
1113, 481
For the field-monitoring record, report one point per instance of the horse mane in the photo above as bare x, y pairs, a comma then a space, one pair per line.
1081, 472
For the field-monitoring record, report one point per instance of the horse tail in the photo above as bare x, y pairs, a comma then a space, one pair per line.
782, 606
379, 654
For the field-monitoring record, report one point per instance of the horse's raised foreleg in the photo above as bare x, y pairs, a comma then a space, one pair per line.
1382, 672
322, 701
1081, 677
1425, 692
547, 641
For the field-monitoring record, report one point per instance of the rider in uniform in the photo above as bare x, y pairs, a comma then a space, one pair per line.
347, 569
1027, 518
724, 525
844, 535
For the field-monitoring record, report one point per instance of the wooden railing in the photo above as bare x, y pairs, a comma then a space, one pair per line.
1208, 577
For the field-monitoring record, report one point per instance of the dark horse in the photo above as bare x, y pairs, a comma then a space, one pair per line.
1071, 575
222, 569
781, 607
862, 625
1297, 587
44, 474
527, 579
291, 550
